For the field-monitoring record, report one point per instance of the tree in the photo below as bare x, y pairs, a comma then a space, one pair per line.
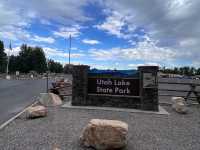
3, 58
38, 58
176, 70
25, 58
198, 71
55, 67
14, 64
192, 71
32, 58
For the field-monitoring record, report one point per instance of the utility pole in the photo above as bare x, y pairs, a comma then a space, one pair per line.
8, 61
70, 38
47, 75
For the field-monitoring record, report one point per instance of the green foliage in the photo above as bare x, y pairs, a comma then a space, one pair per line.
3, 58
188, 71
38, 62
55, 67
14, 64
30, 58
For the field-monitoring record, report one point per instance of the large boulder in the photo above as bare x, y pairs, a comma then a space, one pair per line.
105, 134
50, 99
36, 112
179, 105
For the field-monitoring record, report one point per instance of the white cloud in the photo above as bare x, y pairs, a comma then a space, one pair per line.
60, 11
9, 16
114, 25
178, 9
49, 52
53, 52
14, 16
91, 42
49, 40
65, 32
15, 51
145, 51
174, 24
14, 33
188, 42
134, 66
12, 23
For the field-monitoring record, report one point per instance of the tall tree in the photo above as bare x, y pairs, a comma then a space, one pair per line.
38, 58
32, 58
55, 67
3, 58
14, 64
24, 58
198, 71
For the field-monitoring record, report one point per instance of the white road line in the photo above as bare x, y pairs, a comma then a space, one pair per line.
17, 115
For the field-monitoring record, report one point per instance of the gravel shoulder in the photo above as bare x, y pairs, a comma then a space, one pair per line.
62, 128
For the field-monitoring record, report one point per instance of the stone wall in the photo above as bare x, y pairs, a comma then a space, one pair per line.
149, 95
79, 84
148, 99
114, 101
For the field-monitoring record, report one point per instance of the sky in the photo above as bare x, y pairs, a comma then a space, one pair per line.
106, 34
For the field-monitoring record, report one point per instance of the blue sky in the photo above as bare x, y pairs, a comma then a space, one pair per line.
111, 34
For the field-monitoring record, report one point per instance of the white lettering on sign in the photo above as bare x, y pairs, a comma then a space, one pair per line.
104, 82
116, 86
122, 91
104, 90
113, 86
122, 82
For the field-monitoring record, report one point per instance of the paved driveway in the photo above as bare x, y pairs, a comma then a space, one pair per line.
15, 95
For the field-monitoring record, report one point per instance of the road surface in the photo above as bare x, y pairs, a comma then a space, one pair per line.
15, 95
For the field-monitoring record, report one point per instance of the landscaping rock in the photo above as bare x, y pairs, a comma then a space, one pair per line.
105, 134
62, 88
36, 112
179, 105
50, 99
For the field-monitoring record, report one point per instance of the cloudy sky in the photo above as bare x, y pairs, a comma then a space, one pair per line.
106, 33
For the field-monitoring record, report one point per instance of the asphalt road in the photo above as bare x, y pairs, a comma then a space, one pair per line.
15, 95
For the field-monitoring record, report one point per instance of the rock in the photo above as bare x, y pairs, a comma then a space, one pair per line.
62, 88
179, 105
50, 99
105, 134
36, 112
178, 99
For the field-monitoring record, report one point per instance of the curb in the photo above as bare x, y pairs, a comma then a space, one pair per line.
162, 111
17, 115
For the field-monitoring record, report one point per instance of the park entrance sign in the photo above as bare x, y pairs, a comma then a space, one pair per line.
115, 88
109, 86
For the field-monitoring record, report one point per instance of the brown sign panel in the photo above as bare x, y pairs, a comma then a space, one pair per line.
113, 86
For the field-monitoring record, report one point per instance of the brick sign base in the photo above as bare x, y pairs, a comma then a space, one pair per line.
140, 93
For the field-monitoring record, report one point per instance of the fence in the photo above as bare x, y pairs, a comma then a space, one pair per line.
189, 89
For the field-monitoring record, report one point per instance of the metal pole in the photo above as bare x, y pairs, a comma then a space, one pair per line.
47, 73
8, 61
47, 82
69, 47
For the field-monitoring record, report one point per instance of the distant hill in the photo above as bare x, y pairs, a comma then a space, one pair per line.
115, 73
